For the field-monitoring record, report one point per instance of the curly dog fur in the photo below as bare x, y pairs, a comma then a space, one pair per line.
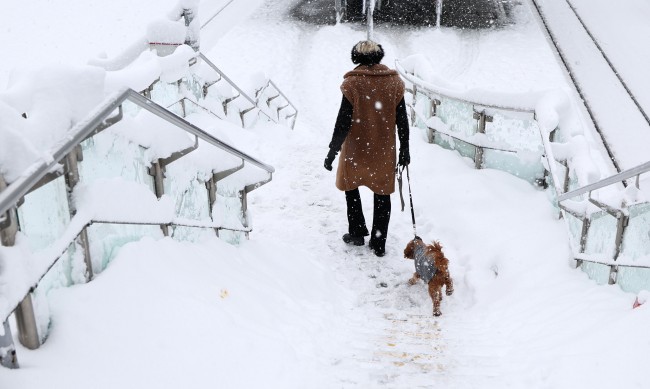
433, 254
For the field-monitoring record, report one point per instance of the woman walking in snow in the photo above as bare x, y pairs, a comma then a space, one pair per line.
372, 105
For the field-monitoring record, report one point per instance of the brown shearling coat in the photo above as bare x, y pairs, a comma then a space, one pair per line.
368, 152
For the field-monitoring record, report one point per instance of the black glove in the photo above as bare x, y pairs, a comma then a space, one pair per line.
404, 157
329, 159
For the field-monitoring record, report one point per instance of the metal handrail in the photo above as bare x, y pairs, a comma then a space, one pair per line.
281, 94
468, 141
635, 171
432, 89
216, 14
229, 81
18, 188
63, 247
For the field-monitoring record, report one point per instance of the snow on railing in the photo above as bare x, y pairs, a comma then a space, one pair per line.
569, 165
22, 272
68, 104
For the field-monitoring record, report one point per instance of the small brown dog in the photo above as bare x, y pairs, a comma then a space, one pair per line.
431, 266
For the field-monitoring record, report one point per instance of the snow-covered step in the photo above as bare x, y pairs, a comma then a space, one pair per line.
602, 74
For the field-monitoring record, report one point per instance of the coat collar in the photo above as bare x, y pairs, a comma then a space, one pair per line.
380, 70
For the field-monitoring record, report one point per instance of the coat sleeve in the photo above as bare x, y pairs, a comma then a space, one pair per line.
402, 125
342, 126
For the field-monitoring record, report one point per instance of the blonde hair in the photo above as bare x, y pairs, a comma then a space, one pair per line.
367, 53
366, 47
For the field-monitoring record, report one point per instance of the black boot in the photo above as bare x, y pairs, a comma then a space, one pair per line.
354, 240
380, 220
356, 222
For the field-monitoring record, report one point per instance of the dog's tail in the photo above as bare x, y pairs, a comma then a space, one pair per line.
437, 246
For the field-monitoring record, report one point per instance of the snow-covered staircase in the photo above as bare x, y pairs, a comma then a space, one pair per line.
147, 161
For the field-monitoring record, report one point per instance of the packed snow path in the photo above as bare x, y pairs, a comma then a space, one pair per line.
490, 223
295, 307
403, 345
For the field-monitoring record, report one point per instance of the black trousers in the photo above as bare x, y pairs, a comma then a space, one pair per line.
380, 218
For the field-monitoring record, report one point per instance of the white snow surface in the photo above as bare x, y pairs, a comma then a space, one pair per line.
295, 307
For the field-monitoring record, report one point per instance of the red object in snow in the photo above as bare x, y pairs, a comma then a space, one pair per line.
636, 303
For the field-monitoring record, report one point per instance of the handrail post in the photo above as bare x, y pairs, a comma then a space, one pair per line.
8, 356
26, 322
211, 186
480, 129
621, 225
25, 318
584, 234
434, 107
622, 221
433, 111
243, 195
8, 230
157, 171
190, 40
243, 198
71, 168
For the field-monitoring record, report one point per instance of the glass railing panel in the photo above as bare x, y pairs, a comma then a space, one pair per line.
633, 280
573, 182
109, 156
523, 165
515, 132
106, 240
43, 219
518, 131
454, 114
194, 85
70, 269
45, 215
463, 148
596, 272
421, 104
165, 94
458, 115
602, 235
575, 230
636, 241
191, 200
227, 212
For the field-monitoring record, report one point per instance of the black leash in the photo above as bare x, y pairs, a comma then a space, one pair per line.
400, 171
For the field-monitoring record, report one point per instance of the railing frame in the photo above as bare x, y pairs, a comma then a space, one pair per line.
279, 93
68, 152
240, 92
560, 186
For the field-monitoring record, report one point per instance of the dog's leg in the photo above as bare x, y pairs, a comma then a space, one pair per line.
449, 286
436, 297
413, 280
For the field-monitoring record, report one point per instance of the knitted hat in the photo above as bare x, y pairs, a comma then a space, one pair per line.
367, 53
